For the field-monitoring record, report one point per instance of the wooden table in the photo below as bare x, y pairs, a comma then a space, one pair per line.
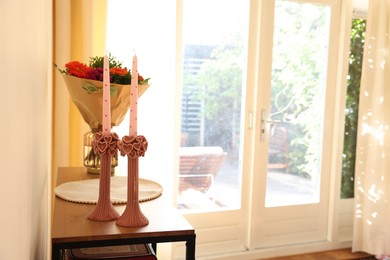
72, 229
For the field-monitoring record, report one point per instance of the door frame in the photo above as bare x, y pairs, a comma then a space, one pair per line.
262, 84
258, 44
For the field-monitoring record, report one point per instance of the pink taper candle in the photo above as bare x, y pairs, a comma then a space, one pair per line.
134, 97
106, 98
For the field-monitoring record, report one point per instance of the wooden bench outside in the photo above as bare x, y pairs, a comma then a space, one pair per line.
199, 166
278, 149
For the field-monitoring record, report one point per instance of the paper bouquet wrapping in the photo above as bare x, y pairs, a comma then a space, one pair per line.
87, 95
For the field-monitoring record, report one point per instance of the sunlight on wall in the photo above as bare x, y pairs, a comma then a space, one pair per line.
360, 4
376, 132
25, 128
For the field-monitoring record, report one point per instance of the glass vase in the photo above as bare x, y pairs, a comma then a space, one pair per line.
92, 160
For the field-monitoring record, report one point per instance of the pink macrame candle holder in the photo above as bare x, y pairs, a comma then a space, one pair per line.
134, 147
106, 147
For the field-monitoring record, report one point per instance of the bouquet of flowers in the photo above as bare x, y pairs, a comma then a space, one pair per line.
85, 86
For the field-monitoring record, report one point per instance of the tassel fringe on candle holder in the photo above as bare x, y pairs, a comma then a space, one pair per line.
133, 147
106, 147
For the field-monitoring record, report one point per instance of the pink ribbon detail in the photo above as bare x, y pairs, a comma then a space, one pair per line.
133, 146
105, 144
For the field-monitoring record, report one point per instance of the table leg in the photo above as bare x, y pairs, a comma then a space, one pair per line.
154, 247
190, 248
56, 254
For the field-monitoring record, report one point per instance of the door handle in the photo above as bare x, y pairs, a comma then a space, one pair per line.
263, 124
265, 121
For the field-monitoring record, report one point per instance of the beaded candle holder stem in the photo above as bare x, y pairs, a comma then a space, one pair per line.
106, 147
133, 147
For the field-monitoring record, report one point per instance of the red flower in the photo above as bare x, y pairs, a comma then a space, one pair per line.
77, 69
94, 71
119, 71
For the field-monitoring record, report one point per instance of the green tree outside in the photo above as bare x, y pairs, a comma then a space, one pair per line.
352, 107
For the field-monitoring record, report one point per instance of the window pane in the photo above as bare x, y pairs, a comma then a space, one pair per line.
352, 107
155, 105
211, 104
299, 72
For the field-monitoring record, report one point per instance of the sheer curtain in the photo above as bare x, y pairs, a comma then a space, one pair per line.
372, 177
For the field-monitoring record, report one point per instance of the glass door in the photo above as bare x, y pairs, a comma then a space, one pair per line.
297, 106
294, 125
213, 66
209, 190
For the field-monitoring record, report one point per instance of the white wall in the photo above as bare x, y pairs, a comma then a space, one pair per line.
25, 128
360, 4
